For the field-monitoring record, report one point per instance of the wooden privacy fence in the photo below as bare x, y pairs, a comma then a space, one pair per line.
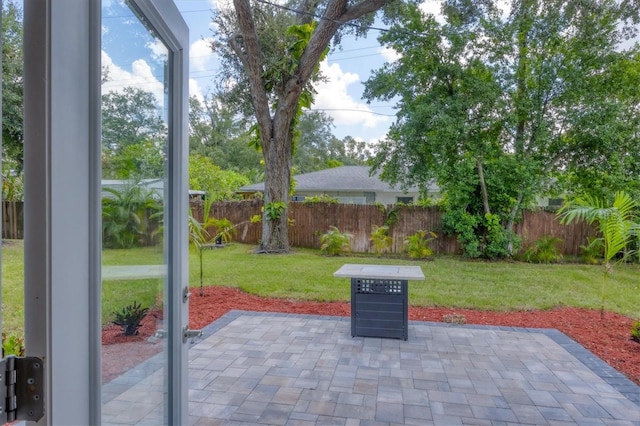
12, 220
310, 221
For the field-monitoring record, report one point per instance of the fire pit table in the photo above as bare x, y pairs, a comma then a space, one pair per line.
379, 298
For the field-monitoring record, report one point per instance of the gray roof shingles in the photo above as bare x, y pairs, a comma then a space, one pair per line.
338, 179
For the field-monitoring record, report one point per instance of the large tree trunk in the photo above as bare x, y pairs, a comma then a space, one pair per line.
277, 157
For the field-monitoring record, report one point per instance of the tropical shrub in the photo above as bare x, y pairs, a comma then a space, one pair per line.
381, 239
593, 252
417, 245
131, 216
334, 242
544, 250
615, 224
130, 318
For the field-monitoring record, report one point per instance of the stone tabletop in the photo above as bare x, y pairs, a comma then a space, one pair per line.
398, 272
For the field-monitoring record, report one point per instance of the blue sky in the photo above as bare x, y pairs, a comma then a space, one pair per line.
340, 97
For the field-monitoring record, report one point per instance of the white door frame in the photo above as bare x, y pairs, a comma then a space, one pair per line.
62, 202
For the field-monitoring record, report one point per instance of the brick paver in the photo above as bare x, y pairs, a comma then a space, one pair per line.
284, 369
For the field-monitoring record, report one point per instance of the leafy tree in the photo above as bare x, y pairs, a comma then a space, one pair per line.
272, 56
142, 160
219, 184
318, 148
12, 83
495, 106
130, 117
216, 132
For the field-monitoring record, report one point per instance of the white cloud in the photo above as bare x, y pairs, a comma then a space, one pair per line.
431, 7
159, 51
389, 54
140, 76
335, 100
200, 55
195, 89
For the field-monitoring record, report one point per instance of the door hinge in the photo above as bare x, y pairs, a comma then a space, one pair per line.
21, 389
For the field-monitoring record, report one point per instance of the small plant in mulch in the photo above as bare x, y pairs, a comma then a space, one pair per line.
12, 345
130, 318
454, 319
635, 332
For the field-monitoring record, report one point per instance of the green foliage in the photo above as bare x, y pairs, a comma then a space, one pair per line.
480, 236
219, 184
635, 331
615, 224
130, 116
463, 225
274, 210
324, 198
130, 318
131, 216
223, 229
12, 345
141, 160
593, 252
417, 245
544, 250
12, 184
498, 243
318, 149
334, 242
381, 239
220, 135
12, 83
497, 105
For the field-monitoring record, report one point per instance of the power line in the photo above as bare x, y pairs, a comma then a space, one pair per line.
353, 110
323, 18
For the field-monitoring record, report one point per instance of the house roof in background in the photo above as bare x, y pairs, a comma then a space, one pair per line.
339, 179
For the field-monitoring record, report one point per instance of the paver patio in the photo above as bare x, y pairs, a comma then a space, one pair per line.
285, 369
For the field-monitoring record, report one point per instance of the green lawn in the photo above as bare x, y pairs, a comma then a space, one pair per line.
307, 275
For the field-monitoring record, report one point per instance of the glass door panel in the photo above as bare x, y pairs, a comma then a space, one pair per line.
136, 187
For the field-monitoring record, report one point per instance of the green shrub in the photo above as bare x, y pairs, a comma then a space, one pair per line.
324, 198
635, 332
480, 236
545, 250
417, 245
334, 242
130, 318
12, 345
131, 216
593, 252
381, 239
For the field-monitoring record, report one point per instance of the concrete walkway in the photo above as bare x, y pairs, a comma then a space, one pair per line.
281, 369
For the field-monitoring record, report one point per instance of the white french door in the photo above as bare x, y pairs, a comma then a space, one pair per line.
70, 283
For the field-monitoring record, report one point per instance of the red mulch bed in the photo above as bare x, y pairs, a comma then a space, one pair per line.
608, 338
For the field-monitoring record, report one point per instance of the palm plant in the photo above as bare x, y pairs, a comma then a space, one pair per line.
210, 229
615, 224
381, 239
129, 216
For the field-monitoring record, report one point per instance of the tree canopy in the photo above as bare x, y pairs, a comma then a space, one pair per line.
498, 105
12, 84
